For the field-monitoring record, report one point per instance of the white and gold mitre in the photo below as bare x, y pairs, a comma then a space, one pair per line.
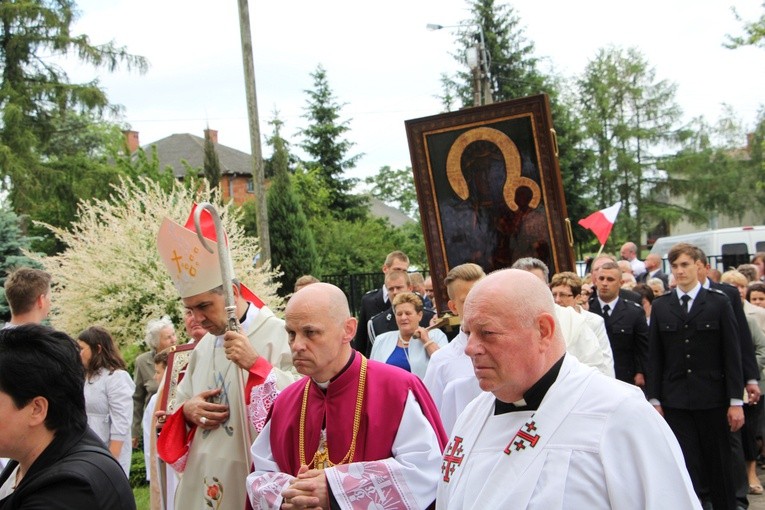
193, 269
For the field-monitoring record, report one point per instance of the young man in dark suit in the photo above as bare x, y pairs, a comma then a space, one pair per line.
694, 375
375, 301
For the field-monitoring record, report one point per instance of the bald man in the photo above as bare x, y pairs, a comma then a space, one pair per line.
629, 252
353, 433
551, 432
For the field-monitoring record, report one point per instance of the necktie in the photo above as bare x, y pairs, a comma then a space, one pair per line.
685, 298
607, 310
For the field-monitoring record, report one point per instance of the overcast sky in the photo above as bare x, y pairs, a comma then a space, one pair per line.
384, 64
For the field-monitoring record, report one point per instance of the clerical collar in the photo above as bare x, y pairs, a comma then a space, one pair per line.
325, 385
244, 315
533, 396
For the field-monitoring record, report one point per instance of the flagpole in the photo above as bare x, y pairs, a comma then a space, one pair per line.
599, 251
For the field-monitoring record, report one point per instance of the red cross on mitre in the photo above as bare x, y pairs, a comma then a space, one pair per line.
523, 438
452, 458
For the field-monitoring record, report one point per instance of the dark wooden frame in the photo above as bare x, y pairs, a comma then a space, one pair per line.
438, 145
177, 361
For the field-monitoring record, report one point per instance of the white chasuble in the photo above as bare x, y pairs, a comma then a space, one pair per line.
218, 460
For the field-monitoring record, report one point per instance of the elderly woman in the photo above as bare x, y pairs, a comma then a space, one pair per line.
160, 334
108, 388
657, 286
566, 288
412, 345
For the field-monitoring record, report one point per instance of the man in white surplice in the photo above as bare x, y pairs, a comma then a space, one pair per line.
450, 375
552, 433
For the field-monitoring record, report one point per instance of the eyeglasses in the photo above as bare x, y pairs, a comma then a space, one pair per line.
586, 293
561, 295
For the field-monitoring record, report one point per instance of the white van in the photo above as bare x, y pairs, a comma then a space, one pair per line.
725, 247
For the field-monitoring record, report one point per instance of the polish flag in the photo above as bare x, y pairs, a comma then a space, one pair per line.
601, 222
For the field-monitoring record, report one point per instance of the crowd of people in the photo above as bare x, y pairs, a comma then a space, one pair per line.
625, 388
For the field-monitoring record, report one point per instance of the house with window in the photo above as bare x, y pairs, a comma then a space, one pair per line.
184, 150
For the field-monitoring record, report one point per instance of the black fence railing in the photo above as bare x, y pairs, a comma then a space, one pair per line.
355, 286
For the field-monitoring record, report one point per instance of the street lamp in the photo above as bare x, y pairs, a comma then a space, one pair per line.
477, 59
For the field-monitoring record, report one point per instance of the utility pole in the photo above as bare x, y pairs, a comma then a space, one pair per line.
252, 115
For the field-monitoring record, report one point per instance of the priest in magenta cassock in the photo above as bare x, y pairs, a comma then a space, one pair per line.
354, 433
549, 432
231, 376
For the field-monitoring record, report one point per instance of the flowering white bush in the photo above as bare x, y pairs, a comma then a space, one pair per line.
110, 273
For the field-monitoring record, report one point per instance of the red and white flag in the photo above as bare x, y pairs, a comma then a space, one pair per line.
601, 222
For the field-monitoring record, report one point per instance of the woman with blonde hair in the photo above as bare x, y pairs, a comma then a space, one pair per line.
411, 346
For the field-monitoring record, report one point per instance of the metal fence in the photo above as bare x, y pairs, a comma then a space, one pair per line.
355, 285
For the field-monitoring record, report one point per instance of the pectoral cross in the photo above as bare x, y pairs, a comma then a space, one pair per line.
321, 457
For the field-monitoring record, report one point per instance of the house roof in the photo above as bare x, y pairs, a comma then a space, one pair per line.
380, 209
179, 147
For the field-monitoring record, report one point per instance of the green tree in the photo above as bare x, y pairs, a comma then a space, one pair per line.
629, 118
13, 243
293, 249
323, 142
513, 68
714, 154
42, 111
514, 73
211, 163
754, 33
396, 188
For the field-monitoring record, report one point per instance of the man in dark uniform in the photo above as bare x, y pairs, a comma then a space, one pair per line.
695, 377
623, 293
375, 301
750, 370
625, 325
396, 282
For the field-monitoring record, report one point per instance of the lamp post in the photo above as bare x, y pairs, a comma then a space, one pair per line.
477, 59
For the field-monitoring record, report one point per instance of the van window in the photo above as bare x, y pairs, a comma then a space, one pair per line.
735, 254
759, 246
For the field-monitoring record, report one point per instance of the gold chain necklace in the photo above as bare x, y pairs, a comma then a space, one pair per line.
320, 459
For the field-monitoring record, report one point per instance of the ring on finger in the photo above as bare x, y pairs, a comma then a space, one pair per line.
203, 420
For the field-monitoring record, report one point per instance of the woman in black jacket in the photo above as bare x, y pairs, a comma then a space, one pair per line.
58, 462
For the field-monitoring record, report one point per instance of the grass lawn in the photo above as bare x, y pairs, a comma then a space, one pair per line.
141, 497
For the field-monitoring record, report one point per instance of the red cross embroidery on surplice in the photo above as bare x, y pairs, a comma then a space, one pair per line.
452, 458
522, 438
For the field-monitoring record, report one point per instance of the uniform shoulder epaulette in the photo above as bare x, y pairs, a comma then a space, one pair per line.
630, 302
371, 291
716, 291
388, 311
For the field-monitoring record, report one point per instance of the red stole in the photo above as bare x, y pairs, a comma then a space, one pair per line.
385, 396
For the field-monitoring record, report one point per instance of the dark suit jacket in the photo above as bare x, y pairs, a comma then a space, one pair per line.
372, 303
748, 359
643, 278
628, 334
623, 294
386, 321
694, 361
74, 471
